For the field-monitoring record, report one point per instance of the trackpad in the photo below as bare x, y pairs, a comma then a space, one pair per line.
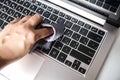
24, 69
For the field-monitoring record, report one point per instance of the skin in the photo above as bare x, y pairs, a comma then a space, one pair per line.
18, 37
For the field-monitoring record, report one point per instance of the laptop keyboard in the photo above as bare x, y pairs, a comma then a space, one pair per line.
76, 48
111, 5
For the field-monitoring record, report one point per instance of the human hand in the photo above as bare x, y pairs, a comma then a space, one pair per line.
18, 37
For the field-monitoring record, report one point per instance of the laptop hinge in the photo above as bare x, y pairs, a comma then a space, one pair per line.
113, 22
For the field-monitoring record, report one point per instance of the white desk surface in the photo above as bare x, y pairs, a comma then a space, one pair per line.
111, 68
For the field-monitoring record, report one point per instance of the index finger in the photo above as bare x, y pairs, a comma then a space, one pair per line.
34, 20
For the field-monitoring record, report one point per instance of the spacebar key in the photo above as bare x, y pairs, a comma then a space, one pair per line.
80, 56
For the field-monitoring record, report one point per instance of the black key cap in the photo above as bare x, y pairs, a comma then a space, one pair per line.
74, 20
76, 36
55, 11
84, 40
66, 49
1, 1
94, 36
94, 29
87, 26
26, 11
68, 32
74, 44
62, 57
68, 17
1, 22
11, 12
4, 24
38, 3
81, 23
9, 19
113, 9
100, 32
7, 2
60, 20
17, 15
53, 17
86, 50
76, 27
99, 3
33, 7
20, 1
43, 6
80, 56
76, 64
93, 44
61, 14
19, 8
46, 51
68, 63
4, 8
13, 5
106, 6
68, 24
46, 14
32, 13
47, 20
82, 70
3, 16
49, 9
26, 4
54, 52
40, 10
83, 31
66, 40
58, 45
93, 1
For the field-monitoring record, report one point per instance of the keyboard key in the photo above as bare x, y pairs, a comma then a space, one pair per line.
46, 20
76, 28
84, 40
100, 32
54, 52
55, 11
4, 8
86, 50
80, 23
43, 6
76, 64
46, 14
1, 1
74, 44
26, 11
4, 24
11, 12
83, 31
20, 1
62, 57
99, 3
66, 49
53, 17
38, 3
74, 20
80, 56
32, 13
93, 1
61, 14
106, 6
94, 29
19, 8
68, 32
3, 16
87, 26
17, 15
76, 36
9, 19
58, 45
1, 22
49, 9
113, 9
94, 37
7, 2
26, 4
68, 63
82, 70
33, 7
40, 10
93, 44
66, 40
46, 51
68, 17
13, 5
60, 20
68, 24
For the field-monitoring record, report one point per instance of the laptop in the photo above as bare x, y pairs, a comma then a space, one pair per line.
91, 26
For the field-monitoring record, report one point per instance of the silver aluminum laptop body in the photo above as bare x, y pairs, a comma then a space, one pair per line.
52, 69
